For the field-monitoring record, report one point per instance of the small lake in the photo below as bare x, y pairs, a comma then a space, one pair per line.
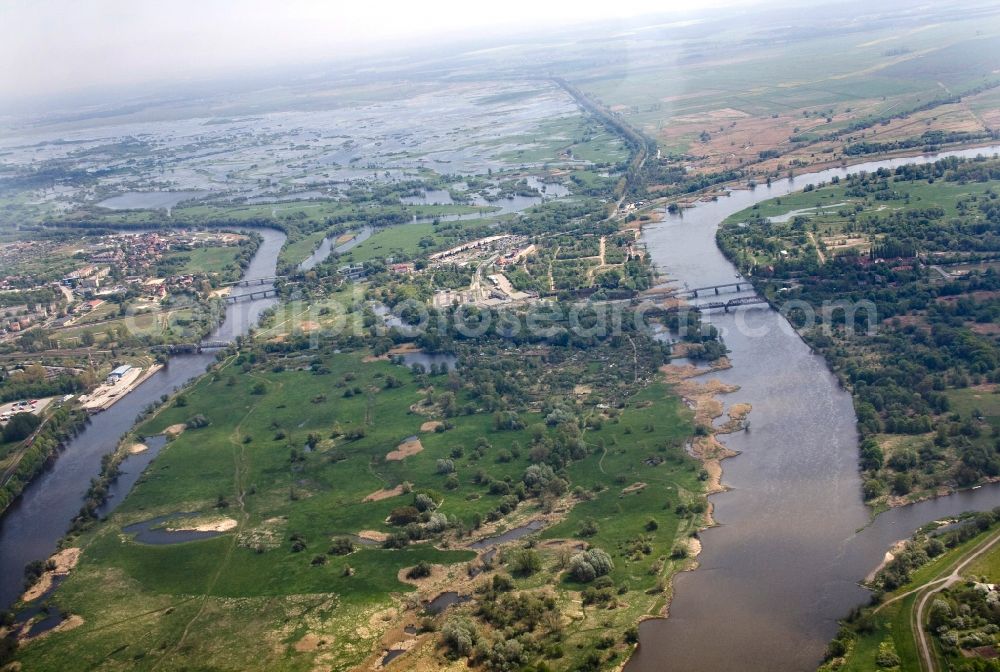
131, 469
295, 196
155, 530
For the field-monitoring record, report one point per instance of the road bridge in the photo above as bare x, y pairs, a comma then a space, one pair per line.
255, 281
252, 296
717, 289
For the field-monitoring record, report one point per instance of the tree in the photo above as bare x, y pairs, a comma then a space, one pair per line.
423, 502
404, 515
525, 562
20, 426
588, 565
459, 635
588, 528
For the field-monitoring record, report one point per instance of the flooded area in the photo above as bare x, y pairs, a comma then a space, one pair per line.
329, 246
445, 600
33, 524
148, 200
228, 159
508, 536
785, 560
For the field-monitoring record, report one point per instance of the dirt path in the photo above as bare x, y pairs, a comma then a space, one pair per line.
240, 469
601, 263
927, 658
552, 283
812, 239
635, 360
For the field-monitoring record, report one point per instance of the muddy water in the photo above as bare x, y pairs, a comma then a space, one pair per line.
34, 523
784, 562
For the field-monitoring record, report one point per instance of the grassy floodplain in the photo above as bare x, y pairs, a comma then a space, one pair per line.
246, 598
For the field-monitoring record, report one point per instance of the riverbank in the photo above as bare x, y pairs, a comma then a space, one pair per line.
106, 395
35, 523
702, 399
798, 465
918, 570
909, 452
713, 192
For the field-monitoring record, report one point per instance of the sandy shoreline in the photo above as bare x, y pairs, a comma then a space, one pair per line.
100, 399
219, 525
65, 560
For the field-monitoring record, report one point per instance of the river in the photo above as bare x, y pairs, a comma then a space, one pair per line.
785, 560
32, 525
327, 247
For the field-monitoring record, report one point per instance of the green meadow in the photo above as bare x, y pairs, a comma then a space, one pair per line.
244, 598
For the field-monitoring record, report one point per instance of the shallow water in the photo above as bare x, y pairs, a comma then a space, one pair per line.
509, 535
148, 200
445, 600
153, 532
426, 359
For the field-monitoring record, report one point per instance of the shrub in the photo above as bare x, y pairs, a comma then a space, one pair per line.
525, 562
459, 635
588, 565
423, 502
404, 515
341, 546
588, 528
419, 571
196, 422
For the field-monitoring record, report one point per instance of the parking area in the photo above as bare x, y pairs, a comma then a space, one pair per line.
35, 406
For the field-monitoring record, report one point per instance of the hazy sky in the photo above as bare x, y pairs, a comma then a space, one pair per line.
56, 46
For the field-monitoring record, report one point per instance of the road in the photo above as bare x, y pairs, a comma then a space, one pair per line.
927, 660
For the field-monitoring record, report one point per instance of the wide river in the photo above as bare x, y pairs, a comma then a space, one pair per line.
785, 560
32, 526
775, 575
